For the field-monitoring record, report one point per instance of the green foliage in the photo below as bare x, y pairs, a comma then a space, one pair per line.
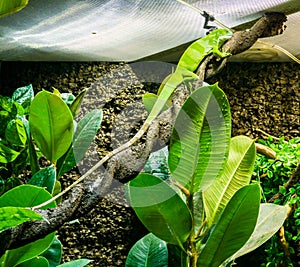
35, 262
270, 218
51, 125
273, 175
224, 210
13, 136
234, 228
155, 203
45, 120
204, 124
148, 252
11, 6
187, 64
53, 253
235, 175
12, 216
45, 177
13, 257
26, 196
212, 173
85, 132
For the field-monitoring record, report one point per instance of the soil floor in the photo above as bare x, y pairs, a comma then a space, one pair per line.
263, 98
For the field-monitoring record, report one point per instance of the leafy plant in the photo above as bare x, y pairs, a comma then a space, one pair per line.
14, 139
46, 122
273, 174
207, 212
50, 126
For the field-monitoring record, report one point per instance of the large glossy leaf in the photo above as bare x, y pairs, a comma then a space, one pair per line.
157, 205
76, 263
12, 216
271, 217
51, 124
85, 132
234, 227
236, 174
26, 196
148, 252
53, 253
44, 178
14, 257
200, 139
11, 6
35, 262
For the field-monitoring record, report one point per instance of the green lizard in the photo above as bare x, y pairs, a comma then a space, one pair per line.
187, 64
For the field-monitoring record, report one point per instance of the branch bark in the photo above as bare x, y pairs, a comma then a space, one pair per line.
85, 195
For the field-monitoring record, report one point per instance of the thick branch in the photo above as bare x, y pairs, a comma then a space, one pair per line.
269, 25
84, 196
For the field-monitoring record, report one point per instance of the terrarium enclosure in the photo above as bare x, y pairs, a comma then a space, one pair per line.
113, 53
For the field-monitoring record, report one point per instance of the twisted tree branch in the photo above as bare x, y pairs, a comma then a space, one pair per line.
85, 195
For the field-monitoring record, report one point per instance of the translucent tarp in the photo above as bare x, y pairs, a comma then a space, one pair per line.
127, 30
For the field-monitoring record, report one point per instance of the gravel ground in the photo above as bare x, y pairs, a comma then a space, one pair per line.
263, 97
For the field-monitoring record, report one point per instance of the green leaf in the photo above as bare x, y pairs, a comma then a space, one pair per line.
33, 158
57, 190
14, 257
177, 257
271, 217
11, 6
200, 139
23, 95
75, 106
12, 216
157, 204
237, 173
148, 252
85, 132
44, 178
35, 262
7, 154
51, 124
234, 227
15, 133
53, 253
76, 263
26, 196
68, 98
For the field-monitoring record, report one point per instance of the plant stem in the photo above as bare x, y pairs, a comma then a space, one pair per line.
193, 255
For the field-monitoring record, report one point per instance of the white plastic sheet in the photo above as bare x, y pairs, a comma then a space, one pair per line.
126, 30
